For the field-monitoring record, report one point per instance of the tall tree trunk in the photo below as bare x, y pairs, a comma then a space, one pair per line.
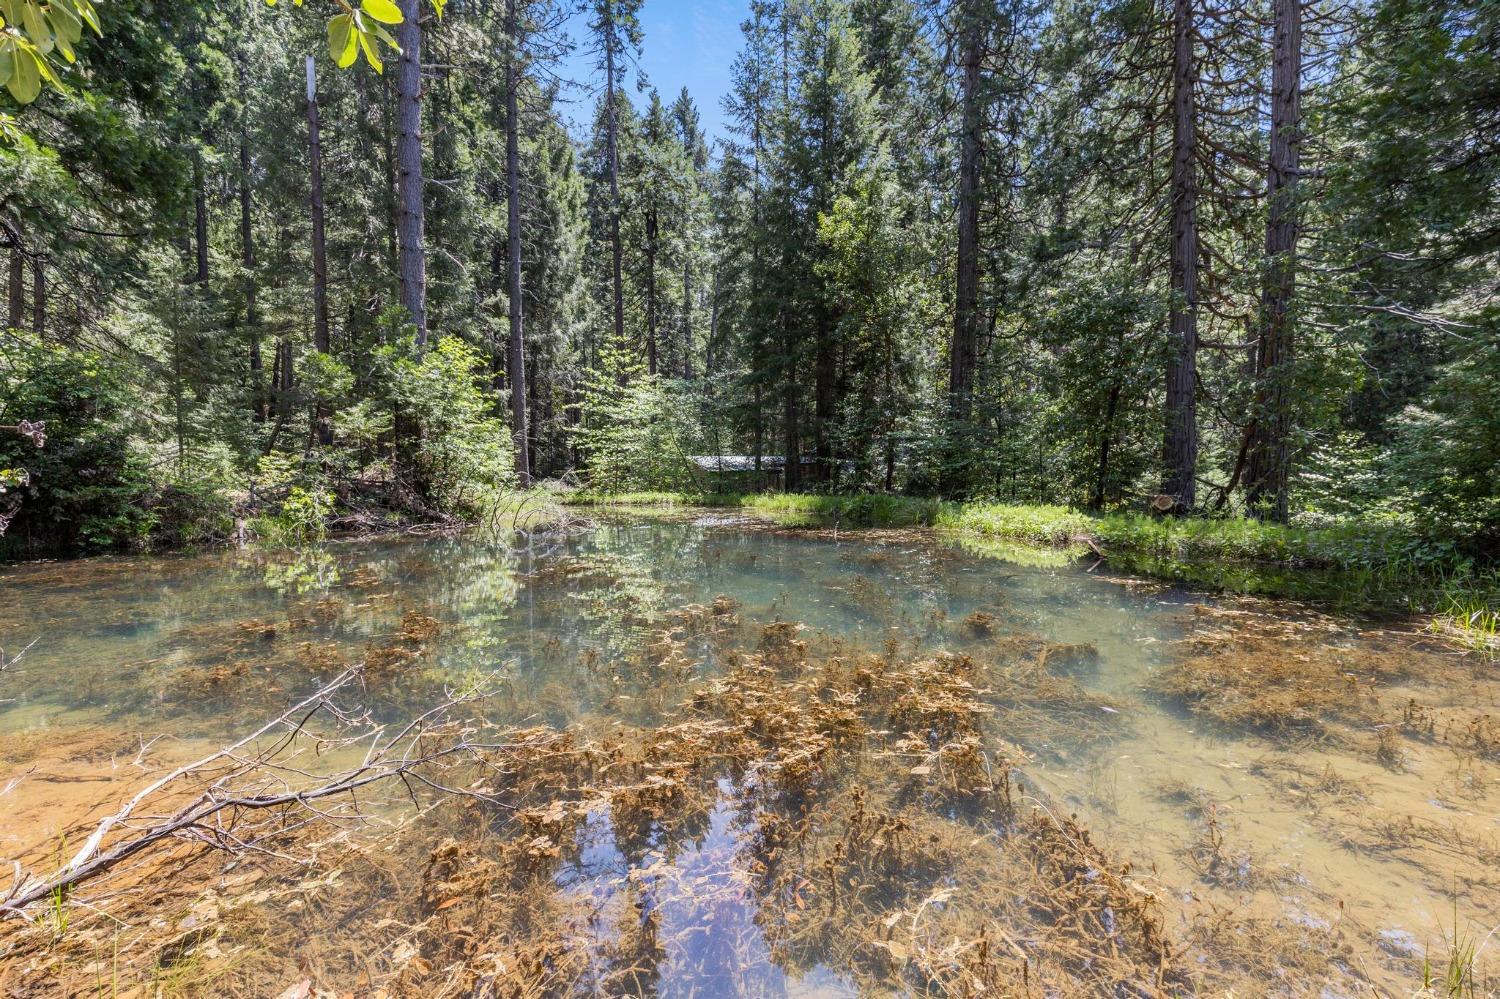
179, 418
500, 282
16, 298
276, 370
200, 222
758, 436
39, 295
1266, 492
612, 152
517, 355
409, 187
792, 458
323, 427
247, 261
392, 192
687, 319
1106, 441
825, 397
713, 329
963, 351
286, 375
1181, 450
651, 342
792, 474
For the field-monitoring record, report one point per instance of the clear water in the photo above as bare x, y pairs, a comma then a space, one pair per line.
131, 644
112, 633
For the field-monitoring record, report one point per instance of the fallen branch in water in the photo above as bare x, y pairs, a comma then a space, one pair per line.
246, 777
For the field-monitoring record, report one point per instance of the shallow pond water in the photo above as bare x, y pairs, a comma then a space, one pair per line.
1357, 816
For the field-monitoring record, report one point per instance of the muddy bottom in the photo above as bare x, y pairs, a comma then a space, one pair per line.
713, 759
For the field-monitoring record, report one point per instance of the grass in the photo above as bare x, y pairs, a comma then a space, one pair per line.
1472, 618
1357, 564
858, 510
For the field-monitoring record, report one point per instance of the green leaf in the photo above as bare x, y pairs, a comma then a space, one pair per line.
385, 36
25, 78
36, 26
88, 15
65, 21
66, 48
45, 68
372, 56
7, 61
341, 42
438, 5
382, 10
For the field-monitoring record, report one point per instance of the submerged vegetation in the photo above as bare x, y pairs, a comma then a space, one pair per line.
592, 770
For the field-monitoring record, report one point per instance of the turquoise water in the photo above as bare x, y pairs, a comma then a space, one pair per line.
206, 645
116, 638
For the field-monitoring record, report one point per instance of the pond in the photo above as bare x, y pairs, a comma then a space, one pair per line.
736, 759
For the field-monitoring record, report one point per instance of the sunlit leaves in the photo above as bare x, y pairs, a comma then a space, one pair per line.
21, 67
358, 31
32, 30
342, 44
382, 10
29, 32
371, 51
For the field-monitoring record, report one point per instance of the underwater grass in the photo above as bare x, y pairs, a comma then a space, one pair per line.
879, 828
872, 799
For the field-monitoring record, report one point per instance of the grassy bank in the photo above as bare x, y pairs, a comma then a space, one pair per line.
801, 509
1365, 564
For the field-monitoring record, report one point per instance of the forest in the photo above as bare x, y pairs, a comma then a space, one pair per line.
990, 498
1203, 258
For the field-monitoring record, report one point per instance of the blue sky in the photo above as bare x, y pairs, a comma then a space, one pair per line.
688, 43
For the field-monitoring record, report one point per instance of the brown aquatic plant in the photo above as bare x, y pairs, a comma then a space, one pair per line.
1285, 676
881, 830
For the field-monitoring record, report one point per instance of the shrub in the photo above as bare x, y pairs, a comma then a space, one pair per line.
637, 435
85, 489
461, 453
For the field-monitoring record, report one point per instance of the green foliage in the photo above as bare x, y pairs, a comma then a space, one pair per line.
1099, 361
356, 31
192, 501
300, 521
31, 32
880, 288
459, 452
1447, 459
794, 292
637, 435
84, 489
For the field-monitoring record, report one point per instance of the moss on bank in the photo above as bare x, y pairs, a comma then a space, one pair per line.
1369, 564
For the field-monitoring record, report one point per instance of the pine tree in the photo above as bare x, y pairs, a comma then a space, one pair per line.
616, 30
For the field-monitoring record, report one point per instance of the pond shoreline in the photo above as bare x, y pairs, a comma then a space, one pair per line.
1354, 567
